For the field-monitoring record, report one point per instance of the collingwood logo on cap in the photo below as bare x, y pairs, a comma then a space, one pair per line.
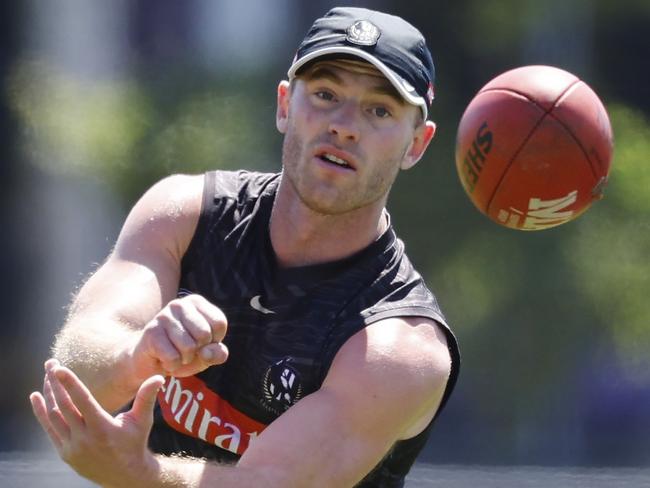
363, 32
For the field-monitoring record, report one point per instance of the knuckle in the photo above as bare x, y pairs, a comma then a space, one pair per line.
169, 322
176, 306
151, 325
186, 345
151, 335
219, 328
203, 336
53, 413
220, 318
163, 319
195, 299
215, 315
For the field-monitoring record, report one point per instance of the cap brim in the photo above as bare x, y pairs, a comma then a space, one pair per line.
401, 85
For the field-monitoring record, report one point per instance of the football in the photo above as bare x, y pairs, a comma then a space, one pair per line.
534, 148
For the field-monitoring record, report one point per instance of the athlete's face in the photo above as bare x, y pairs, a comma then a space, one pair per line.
347, 134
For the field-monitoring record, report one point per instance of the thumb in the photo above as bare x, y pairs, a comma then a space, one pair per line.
145, 399
214, 353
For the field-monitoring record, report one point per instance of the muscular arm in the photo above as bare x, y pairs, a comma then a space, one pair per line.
139, 277
384, 385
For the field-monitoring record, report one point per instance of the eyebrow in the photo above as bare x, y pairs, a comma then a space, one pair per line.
324, 72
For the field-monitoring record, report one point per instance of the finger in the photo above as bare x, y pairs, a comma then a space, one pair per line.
53, 411
215, 353
161, 348
193, 321
66, 406
145, 399
180, 338
50, 401
210, 355
82, 399
40, 412
214, 315
48, 395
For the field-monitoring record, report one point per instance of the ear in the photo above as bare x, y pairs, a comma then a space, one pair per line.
282, 112
421, 139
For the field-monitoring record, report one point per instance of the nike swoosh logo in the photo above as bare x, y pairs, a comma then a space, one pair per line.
255, 303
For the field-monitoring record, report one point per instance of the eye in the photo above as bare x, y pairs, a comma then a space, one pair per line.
381, 112
324, 95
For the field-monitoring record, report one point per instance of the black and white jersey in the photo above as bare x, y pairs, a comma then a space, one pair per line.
285, 325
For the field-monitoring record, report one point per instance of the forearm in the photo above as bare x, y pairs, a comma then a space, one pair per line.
182, 472
98, 351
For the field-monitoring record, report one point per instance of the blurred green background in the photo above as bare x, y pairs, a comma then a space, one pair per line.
100, 99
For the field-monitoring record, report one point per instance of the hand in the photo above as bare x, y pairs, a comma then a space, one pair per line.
183, 339
109, 451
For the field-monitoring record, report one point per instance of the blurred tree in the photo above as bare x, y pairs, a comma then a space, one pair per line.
609, 258
129, 133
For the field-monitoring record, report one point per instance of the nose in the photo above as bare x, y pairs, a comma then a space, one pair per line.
345, 123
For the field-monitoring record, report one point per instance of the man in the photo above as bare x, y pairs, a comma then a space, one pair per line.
295, 338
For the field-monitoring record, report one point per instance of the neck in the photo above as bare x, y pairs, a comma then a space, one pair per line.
301, 236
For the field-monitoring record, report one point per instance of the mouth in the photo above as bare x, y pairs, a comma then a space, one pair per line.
337, 158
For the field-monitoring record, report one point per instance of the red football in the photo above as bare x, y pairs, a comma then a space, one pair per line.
534, 148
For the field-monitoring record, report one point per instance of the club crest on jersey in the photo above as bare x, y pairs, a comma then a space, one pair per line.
363, 33
281, 387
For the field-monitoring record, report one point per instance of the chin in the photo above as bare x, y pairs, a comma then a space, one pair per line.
325, 206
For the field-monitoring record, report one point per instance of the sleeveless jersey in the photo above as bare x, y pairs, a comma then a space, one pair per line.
285, 325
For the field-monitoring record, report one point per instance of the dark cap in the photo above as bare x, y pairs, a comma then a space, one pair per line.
391, 44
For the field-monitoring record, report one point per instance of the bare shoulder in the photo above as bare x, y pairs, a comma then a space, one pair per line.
174, 196
404, 362
412, 341
166, 215
412, 347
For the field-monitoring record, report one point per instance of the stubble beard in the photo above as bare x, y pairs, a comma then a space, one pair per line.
294, 155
